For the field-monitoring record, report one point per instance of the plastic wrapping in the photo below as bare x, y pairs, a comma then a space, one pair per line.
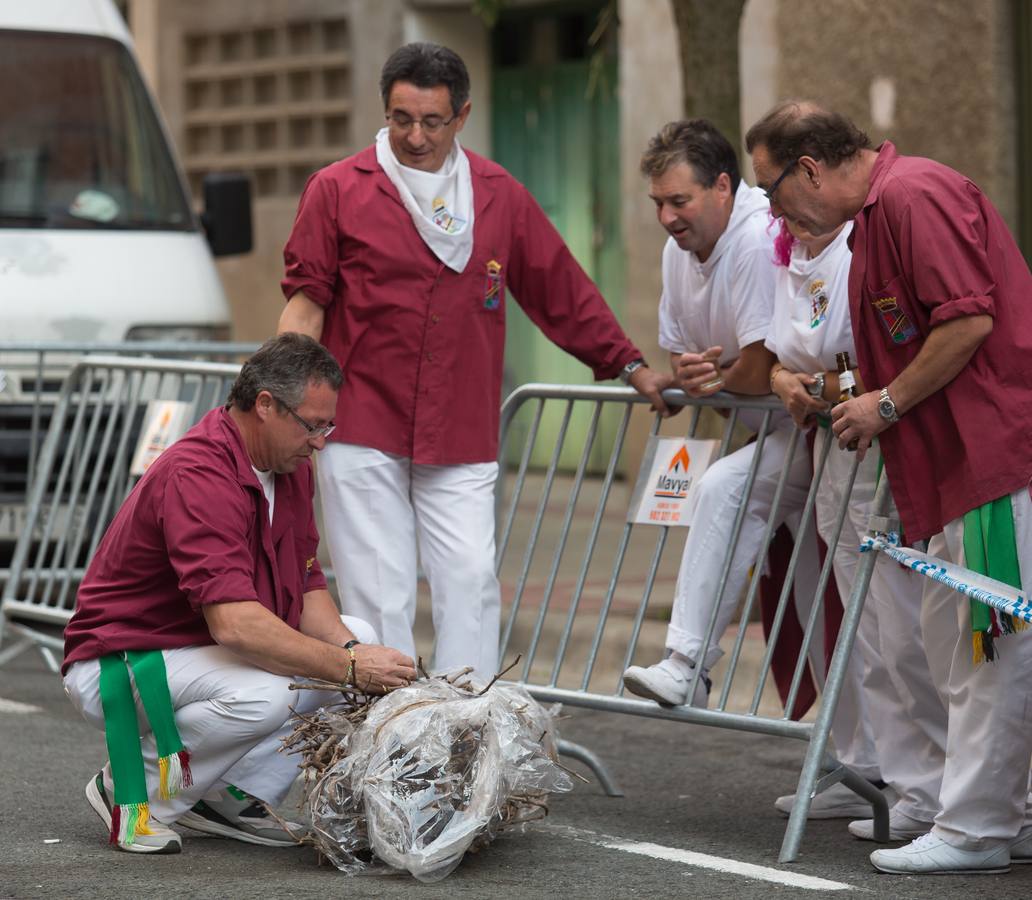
434, 770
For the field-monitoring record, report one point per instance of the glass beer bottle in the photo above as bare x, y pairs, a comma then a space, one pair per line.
847, 385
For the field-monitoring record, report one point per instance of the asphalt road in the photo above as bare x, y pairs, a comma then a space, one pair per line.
700, 790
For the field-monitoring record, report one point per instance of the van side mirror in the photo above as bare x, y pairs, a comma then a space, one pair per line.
227, 213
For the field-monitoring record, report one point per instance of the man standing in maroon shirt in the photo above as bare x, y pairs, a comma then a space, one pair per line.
941, 305
399, 262
206, 588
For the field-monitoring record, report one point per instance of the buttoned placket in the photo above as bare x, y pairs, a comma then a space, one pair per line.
429, 371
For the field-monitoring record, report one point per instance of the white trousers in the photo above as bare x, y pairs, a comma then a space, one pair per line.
989, 735
378, 511
231, 716
888, 708
718, 496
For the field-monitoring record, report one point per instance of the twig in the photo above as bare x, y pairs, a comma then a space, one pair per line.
282, 824
508, 668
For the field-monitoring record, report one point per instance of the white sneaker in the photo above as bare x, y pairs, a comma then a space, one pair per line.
837, 802
901, 827
160, 840
1021, 849
667, 682
930, 855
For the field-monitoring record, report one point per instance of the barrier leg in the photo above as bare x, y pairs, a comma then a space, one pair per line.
568, 748
879, 805
45, 643
815, 753
49, 658
13, 650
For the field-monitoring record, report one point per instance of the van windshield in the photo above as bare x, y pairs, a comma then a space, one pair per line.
80, 145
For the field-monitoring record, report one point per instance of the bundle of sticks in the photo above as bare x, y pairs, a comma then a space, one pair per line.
420, 776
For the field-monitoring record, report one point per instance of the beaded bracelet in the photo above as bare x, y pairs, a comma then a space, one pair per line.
774, 374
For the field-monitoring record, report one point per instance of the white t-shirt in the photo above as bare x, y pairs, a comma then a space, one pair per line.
727, 300
811, 308
268, 482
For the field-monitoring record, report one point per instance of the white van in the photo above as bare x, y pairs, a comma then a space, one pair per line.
98, 241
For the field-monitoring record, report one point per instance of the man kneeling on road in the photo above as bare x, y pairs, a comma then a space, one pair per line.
202, 601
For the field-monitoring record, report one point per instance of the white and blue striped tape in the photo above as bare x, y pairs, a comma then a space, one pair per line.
996, 594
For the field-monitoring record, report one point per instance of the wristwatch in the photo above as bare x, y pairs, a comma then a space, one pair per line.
627, 371
886, 408
816, 390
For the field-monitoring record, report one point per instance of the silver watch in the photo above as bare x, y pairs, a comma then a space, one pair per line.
816, 390
627, 371
886, 407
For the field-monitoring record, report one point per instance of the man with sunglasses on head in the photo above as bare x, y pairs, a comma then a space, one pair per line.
399, 262
203, 601
939, 299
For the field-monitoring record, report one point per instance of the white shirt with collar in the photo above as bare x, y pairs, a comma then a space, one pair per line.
727, 300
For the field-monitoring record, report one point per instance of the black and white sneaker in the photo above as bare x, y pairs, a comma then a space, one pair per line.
241, 817
160, 839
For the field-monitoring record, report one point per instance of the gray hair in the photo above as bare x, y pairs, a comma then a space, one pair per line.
798, 128
427, 65
284, 366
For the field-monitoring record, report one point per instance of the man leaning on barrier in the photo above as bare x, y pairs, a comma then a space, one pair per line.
887, 668
715, 311
939, 298
203, 599
399, 261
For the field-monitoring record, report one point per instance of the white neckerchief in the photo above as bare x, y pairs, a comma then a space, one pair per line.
440, 203
267, 480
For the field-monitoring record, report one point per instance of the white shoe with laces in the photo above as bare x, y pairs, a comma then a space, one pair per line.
931, 855
837, 802
901, 827
667, 682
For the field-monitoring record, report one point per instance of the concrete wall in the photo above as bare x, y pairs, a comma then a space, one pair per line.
650, 96
252, 281
467, 35
935, 76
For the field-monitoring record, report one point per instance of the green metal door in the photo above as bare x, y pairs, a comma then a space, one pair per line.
560, 139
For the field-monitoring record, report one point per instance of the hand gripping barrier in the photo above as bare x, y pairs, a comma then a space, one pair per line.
83, 475
583, 588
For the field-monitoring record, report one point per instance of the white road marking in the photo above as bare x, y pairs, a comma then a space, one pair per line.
13, 706
699, 860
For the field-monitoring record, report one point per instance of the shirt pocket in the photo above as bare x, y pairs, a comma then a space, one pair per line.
893, 306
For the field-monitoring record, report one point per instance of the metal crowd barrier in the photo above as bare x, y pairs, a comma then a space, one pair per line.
84, 475
31, 374
583, 587
564, 609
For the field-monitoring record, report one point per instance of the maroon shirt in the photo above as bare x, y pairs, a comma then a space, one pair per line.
928, 247
421, 346
195, 530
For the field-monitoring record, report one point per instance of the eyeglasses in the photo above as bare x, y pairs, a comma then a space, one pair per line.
314, 431
430, 124
769, 192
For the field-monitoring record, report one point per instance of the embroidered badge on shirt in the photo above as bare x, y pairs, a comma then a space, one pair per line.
493, 289
818, 302
444, 219
900, 328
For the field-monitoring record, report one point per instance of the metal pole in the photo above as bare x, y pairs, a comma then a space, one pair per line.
832, 688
